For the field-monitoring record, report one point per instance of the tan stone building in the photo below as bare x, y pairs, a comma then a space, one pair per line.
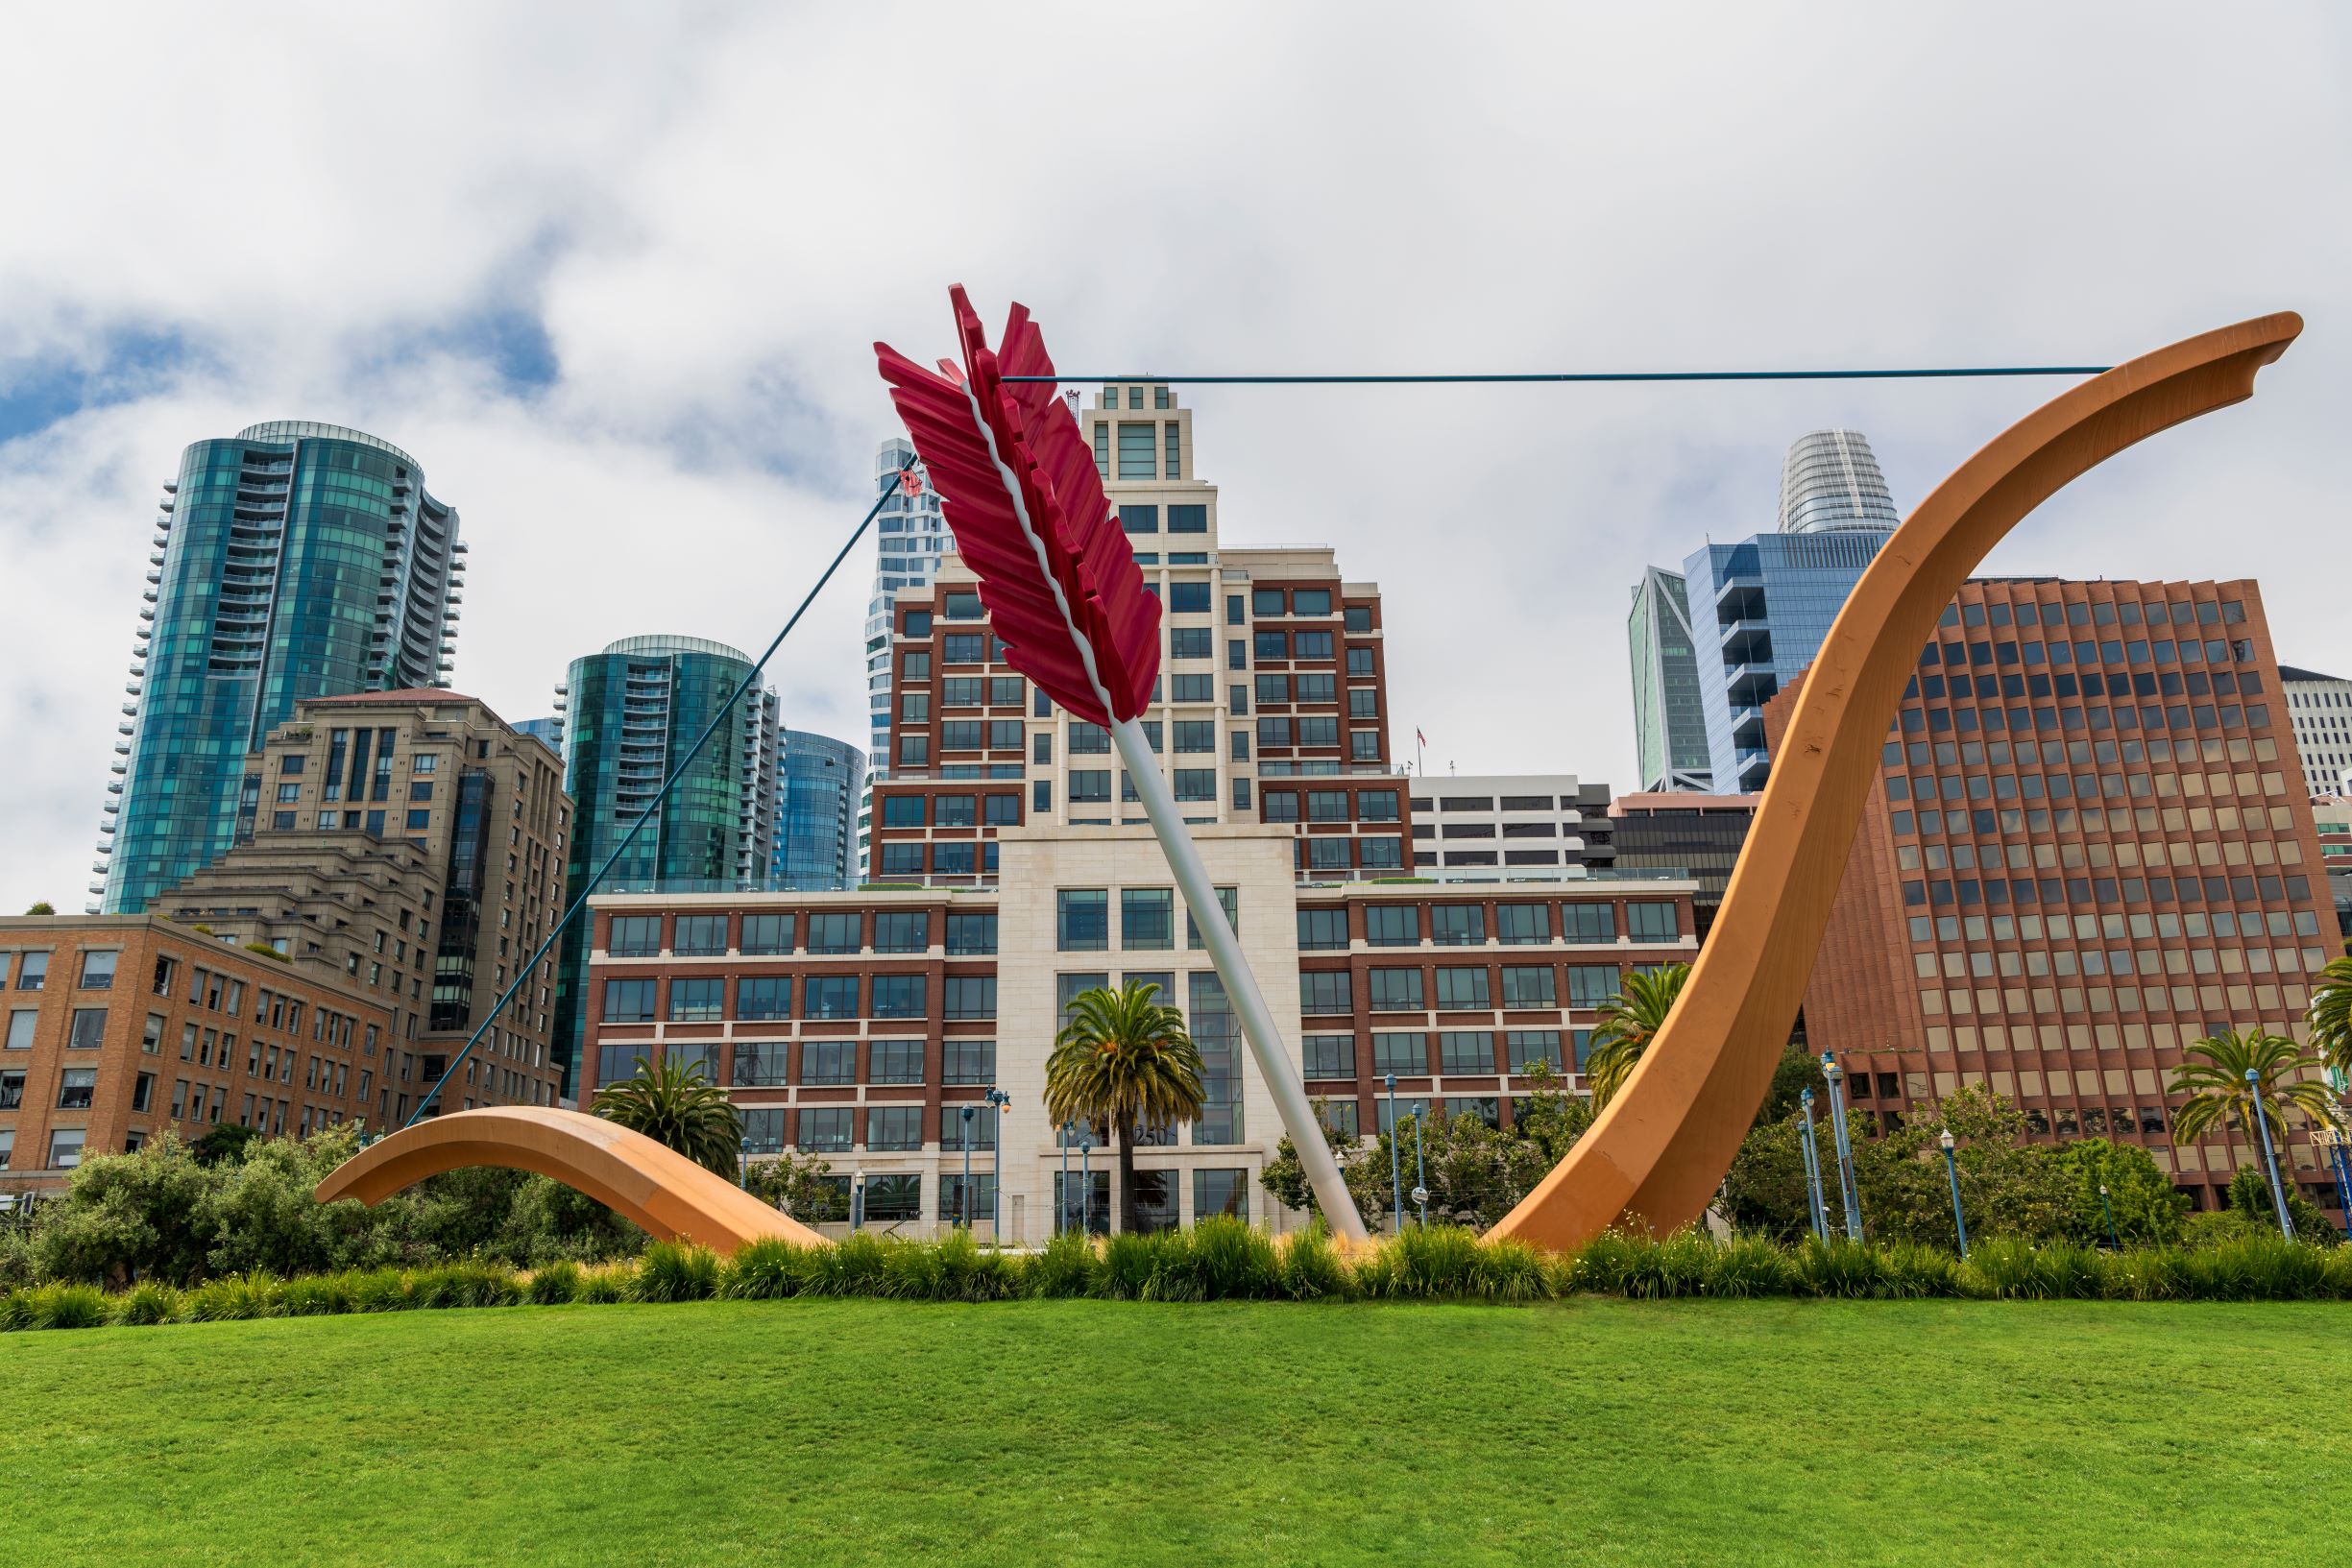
414, 842
113, 1027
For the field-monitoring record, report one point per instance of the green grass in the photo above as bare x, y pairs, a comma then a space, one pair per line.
1078, 1432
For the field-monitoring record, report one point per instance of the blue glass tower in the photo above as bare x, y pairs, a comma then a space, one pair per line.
817, 788
295, 560
1761, 608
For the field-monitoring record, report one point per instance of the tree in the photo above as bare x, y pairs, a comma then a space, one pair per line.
42, 908
675, 1106
1799, 1070
224, 1145
2146, 1204
801, 1185
2215, 1080
2331, 1014
2249, 1196
1123, 1059
1630, 1019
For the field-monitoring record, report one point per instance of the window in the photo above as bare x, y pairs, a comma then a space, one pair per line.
1272, 645
961, 605
1393, 924
634, 937
1404, 1054
1589, 922
1082, 919
895, 1061
767, 933
1326, 806
1229, 901
1325, 991
629, 1002
66, 1147
759, 1064
1330, 1055
1466, 1050
1359, 617
1196, 734
960, 735
98, 969
969, 996
902, 860
1147, 918
1004, 810
966, 1126
1135, 454
902, 931
901, 810
1323, 930
1529, 1046
1089, 739
1376, 806
1319, 731
1190, 642
970, 1061
898, 996
1519, 924
965, 648
916, 665
1311, 644
971, 934
1188, 598
1139, 520
701, 934
833, 933
892, 1128
1396, 990
416, 819
1274, 731
1237, 656
1648, 922
1457, 925
825, 1128
77, 1087
1382, 853
1529, 985
1186, 519
1359, 663
695, 1002
88, 1030
1590, 984
1194, 784
829, 995
12, 1090
32, 971
1463, 988
1279, 806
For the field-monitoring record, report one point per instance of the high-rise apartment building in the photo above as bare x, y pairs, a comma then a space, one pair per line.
631, 714
413, 843
1669, 715
1513, 821
1272, 703
2322, 709
912, 538
2086, 849
1760, 608
819, 782
549, 730
1697, 835
294, 559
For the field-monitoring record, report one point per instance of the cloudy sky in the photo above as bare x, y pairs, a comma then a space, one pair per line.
612, 274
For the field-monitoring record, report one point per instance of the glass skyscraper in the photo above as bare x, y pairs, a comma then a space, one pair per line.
630, 714
911, 535
294, 559
818, 786
1669, 716
1762, 608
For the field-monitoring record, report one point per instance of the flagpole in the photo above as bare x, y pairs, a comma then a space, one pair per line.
1273, 1058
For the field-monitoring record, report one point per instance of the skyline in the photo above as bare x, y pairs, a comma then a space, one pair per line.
652, 400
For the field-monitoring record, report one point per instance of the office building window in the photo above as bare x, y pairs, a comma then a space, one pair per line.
967, 1062
1082, 919
1531, 1047
1330, 1055
1529, 985
701, 934
1466, 1050
1463, 988
1323, 930
1326, 991
634, 937
1646, 922
829, 995
760, 1064
825, 1129
892, 1128
629, 1002
1135, 456
895, 1061
764, 996
969, 997
695, 1001
767, 933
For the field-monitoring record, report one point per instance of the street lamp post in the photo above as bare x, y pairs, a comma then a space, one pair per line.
856, 1201
2108, 1209
1000, 1100
2269, 1155
1085, 1182
1420, 1170
1396, 1183
1836, 1075
1061, 1204
1951, 1169
2331, 1140
966, 1195
1815, 1207
743, 1163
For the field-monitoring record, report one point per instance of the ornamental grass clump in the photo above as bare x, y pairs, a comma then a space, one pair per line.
1309, 1267
1746, 1266
381, 1290
1837, 1268
601, 1287
148, 1302
1232, 1260
468, 1284
316, 1295
854, 1267
233, 1298
1512, 1271
769, 1268
553, 1285
65, 1306
675, 1272
967, 1271
1129, 1260
1433, 1263
2010, 1269
1066, 1268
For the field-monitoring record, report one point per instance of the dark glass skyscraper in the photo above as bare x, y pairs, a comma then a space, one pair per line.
1669, 717
295, 560
630, 715
818, 785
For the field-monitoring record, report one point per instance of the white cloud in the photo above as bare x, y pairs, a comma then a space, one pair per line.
713, 211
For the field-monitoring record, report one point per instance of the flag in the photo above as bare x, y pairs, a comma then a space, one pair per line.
1419, 739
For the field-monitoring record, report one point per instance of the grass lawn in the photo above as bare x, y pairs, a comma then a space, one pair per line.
844, 1431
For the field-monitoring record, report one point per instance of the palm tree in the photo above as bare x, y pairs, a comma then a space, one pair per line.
2331, 1014
1124, 1058
1630, 1020
2219, 1094
673, 1105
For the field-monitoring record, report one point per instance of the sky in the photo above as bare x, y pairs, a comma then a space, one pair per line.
613, 273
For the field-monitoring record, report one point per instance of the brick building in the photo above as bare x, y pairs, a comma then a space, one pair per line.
2089, 846
413, 842
860, 1024
113, 1027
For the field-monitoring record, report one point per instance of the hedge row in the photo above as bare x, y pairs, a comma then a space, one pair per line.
1224, 1260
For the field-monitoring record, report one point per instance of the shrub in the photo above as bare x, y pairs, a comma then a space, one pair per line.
967, 1271
381, 1290
1310, 1269
16, 1309
233, 1298
676, 1271
59, 1305
470, 1283
1067, 1267
768, 1269
854, 1267
1746, 1265
601, 1286
1836, 1267
2010, 1269
554, 1283
148, 1302
1234, 1261
1511, 1270
1128, 1261
1435, 1262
